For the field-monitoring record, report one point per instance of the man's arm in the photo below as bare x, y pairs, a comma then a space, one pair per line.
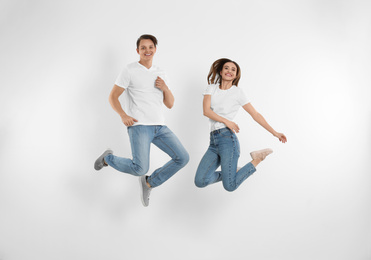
116, 105
168, 96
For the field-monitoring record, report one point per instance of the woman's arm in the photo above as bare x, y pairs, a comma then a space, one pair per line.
261, 121
208, 112
116, 105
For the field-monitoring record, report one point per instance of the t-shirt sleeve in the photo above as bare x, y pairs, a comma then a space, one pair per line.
209, 90
242, 99
123, 80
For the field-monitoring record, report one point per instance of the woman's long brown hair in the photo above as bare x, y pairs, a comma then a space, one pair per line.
214, 76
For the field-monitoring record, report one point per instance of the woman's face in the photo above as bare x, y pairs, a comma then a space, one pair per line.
229, 71
146, 50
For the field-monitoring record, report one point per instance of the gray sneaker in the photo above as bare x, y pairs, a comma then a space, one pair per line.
145, 191
261, 154
99, 163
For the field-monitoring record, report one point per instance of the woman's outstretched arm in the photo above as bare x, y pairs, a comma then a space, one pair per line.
261, 121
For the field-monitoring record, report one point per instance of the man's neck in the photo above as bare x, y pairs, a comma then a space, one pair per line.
147, 64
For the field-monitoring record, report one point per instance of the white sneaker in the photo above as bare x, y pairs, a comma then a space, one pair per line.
261, 154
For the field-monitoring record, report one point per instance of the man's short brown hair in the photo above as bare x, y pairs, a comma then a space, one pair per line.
147, 37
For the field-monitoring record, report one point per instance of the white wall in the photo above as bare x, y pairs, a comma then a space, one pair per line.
305, 65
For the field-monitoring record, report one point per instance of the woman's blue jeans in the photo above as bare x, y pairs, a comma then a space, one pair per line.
141, 137
224, 151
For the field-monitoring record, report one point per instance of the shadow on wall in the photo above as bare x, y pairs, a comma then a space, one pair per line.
96, 128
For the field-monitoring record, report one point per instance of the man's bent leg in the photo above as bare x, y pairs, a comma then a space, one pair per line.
140, 140
166, 140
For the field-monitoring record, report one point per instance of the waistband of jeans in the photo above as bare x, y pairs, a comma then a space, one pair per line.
217, 131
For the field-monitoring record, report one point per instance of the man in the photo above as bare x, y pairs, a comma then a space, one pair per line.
147, 90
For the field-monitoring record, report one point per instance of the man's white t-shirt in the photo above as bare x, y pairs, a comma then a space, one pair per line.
225, 103
145, 100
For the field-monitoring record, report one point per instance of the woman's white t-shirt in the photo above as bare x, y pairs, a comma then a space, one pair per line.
225, 103
145, 100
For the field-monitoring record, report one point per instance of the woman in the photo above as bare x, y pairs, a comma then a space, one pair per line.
222, 100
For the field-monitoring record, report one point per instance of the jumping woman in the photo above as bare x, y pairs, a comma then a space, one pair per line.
222, 100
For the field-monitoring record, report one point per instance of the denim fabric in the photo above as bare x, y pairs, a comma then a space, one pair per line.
141, 137
224, 151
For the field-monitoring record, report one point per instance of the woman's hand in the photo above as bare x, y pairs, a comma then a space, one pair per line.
281, 137
232, 125
128, 120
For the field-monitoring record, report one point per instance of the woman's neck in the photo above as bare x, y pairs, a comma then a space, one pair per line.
226, 84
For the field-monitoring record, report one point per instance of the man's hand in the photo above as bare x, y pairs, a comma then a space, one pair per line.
128, 120
160, 84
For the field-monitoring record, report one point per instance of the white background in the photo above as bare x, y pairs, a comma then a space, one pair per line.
305, 66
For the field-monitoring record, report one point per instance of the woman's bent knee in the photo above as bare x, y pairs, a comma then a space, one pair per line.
200, 183
230, 188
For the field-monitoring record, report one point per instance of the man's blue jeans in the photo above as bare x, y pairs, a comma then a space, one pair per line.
224, 151
141, 137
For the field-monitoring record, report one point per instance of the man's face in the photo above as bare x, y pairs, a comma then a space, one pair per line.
146, 50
